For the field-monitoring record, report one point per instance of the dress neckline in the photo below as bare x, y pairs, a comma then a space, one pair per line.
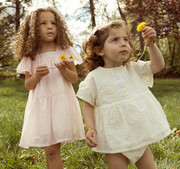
110, 68
48, 52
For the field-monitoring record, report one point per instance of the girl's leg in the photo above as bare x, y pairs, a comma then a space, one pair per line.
53, 157
117, 161
146, 161
47, 164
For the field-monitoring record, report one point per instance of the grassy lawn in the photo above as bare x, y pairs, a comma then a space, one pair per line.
78, 155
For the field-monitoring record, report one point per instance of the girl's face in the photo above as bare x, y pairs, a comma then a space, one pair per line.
47, 27
116, 47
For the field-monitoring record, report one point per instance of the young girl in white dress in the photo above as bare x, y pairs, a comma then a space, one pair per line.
52, 114
121, 114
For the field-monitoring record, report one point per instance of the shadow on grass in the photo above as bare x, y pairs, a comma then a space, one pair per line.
9, 87
165, 87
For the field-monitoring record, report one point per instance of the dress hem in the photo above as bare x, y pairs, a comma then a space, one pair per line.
49, 144
136, 147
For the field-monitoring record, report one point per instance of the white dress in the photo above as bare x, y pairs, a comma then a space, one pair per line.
127, 115
52, 112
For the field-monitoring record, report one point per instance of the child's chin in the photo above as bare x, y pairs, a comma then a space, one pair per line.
124, 59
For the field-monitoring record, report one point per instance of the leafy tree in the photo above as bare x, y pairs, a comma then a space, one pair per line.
14, 10
84, 13
11, 11
6, 34
164, 17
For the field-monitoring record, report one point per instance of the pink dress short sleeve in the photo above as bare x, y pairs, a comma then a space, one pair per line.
25, 66
72, 54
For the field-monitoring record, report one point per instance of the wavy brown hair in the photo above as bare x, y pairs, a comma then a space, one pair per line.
27, 41
97, 39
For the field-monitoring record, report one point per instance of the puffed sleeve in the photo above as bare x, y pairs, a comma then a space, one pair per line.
72, 54
87, 90
143, 68
25, 66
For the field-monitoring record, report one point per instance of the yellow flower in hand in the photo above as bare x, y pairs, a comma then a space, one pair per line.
63, 57
72, 57
141, 26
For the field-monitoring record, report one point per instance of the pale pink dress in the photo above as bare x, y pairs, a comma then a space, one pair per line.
52, 112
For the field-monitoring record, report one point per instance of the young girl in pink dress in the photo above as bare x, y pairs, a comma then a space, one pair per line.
48, 60
121, 114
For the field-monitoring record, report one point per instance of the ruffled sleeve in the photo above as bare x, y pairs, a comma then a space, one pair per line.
73, 55
25, 66
143, 68
87, 90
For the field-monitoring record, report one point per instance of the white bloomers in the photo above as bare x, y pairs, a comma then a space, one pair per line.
134, 155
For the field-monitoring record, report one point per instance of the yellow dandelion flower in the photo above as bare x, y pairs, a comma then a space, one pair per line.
141, 26
63, 57
71, 56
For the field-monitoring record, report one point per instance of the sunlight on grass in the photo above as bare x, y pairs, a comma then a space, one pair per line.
168, 94
78, 155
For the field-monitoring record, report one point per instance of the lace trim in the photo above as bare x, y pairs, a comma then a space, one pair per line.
120, 102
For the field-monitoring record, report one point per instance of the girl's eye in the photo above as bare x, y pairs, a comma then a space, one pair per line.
43, 23
53, 23
115, 40
126, 39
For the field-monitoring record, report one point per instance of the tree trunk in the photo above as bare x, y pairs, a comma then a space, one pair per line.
140, 34
170, 71
172, 55
172, 52
17, 14
92, 13
17, 19
156, 25
121, 13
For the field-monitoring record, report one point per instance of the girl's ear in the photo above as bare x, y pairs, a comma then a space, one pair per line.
98, 51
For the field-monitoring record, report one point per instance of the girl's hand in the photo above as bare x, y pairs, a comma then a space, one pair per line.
61, 65
149, 34
41, 71
91, 138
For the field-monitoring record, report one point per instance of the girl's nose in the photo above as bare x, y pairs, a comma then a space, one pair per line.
49, 26
123, 44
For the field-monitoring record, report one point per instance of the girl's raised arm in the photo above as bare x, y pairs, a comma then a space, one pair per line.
157, 60
156, 57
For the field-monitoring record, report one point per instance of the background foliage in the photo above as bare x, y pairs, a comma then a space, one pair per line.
163, 15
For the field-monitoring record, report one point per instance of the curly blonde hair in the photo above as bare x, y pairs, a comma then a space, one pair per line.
97, 39
27, 41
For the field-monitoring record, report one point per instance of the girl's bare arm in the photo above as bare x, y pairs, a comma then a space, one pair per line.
68, 70
157, 60
32, 80
91, 135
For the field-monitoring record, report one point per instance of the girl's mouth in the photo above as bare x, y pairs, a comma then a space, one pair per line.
123, 52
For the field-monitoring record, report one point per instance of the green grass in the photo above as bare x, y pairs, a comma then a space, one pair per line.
167, 92
78, 155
